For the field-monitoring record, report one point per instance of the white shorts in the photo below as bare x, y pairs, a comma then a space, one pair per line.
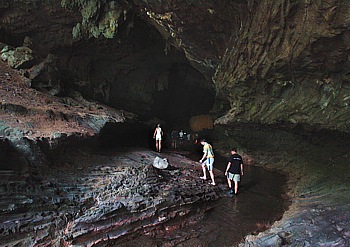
234, 177
158, 137
209, 162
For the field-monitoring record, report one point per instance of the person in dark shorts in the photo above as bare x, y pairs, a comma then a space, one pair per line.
234, 170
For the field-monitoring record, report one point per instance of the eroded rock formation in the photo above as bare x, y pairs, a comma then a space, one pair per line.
289, 63
274, 61
85, 200
77, 69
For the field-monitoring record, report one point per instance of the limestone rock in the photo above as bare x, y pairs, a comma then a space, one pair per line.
278, 69
20, 57
46, 75
160, 163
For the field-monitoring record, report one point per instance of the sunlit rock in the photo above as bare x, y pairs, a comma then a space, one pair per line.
20, 57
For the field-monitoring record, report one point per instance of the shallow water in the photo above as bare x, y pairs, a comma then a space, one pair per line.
258, 204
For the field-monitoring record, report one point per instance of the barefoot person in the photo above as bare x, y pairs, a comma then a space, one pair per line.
158, 134
234, 170
208, 158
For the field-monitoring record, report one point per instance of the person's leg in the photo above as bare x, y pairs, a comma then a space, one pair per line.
229, 183
211, 172
210, 164
231, 190
157, 146
236, 179
160, 146
204, 171
236, 187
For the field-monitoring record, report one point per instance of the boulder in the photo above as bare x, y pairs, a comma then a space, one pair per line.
160, 163
18, 58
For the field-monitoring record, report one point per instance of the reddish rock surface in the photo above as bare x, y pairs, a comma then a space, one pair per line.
38, 115
85, 199
274, 62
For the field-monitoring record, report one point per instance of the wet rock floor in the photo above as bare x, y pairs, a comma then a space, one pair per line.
90, 199
317, 165
119, 199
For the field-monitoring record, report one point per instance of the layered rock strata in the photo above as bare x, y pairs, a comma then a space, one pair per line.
30, 117
289, 64
274, 61
85, 199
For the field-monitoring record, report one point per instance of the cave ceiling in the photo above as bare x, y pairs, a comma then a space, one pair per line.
266, 62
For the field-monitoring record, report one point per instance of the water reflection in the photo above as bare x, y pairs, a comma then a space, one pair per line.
258, 204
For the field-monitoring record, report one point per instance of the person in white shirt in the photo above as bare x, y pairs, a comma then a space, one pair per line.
158, 134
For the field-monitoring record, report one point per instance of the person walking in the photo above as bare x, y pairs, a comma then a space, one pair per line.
207, 161
158, 134
181, 137
234, 170
174, 138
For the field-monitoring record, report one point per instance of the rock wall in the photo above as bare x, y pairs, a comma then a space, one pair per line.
317, 165
289, 64
274, 61
113, 55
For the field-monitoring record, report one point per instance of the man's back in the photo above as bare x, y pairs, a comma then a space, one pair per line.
208, 149
236, 161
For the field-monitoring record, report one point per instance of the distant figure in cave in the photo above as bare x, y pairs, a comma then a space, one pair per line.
234, 170
158, 134
181, 137
174, 138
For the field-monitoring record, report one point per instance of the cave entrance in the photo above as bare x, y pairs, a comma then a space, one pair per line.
137, 72
188, 94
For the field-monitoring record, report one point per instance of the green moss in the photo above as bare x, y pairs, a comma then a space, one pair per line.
89, 10
76, 32
108, 26
94, 31
107, 14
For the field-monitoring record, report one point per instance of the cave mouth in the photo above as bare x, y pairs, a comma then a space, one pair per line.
137, 71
